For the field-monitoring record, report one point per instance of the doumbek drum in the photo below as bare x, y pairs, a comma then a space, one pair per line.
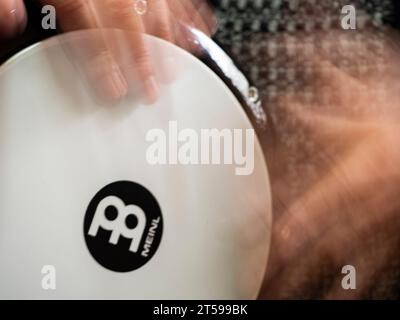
130, 201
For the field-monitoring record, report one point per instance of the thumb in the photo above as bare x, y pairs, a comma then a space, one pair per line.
13, 18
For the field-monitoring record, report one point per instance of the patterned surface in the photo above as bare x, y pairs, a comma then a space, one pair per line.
275, 43
252, 30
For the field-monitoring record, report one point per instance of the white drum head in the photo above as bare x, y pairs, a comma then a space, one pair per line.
65, 160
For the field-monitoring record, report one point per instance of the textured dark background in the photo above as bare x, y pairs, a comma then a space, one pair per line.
247, 27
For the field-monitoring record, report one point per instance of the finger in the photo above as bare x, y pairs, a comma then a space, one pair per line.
183, 22
196, 14
158, 20
121, 14
204, 16
90, 50
13, 18
159, 23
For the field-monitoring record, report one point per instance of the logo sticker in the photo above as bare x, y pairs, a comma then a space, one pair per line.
123, 226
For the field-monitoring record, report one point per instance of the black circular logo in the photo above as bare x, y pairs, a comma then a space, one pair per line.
123, 226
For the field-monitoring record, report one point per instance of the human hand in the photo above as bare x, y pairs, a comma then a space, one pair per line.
161, 18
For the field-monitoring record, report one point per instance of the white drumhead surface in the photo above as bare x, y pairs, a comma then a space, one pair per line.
59, 148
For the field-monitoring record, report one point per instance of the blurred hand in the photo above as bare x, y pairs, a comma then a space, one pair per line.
12, 18
335, 171
162, 18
